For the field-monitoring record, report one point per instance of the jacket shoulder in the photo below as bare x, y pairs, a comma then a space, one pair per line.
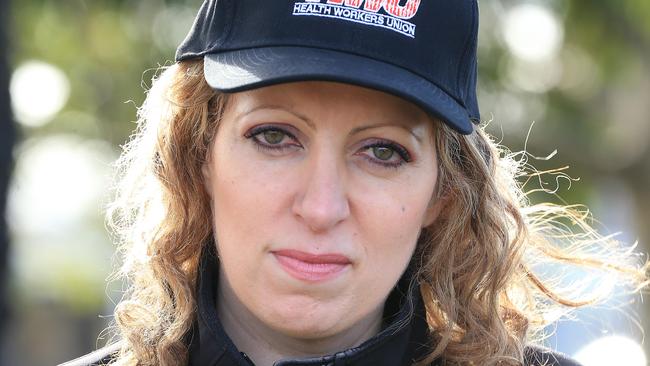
541, 356
102, 356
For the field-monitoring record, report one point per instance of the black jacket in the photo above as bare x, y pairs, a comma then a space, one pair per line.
402, 340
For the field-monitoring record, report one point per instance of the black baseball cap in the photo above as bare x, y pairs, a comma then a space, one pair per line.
420, 50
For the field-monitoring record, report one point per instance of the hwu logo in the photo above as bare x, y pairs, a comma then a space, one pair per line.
379, 13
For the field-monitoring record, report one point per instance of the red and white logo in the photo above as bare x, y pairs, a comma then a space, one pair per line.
387, 14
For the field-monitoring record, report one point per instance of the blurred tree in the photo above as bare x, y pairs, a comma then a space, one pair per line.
6, 144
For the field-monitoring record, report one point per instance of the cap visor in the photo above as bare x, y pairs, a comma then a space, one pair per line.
240, 70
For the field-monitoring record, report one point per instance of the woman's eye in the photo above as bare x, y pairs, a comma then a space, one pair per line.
387, 154
382, 153
272, 138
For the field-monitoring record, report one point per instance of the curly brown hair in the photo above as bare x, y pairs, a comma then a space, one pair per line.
477, 263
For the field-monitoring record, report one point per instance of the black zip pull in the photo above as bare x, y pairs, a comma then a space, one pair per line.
247, 359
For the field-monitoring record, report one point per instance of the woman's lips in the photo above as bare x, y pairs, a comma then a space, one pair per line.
311, 267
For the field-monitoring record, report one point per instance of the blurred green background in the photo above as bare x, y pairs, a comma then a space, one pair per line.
571, 76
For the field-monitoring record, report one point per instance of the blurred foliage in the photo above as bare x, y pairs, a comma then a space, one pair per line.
106, 48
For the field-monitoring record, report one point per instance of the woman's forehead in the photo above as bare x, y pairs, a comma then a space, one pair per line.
323, 96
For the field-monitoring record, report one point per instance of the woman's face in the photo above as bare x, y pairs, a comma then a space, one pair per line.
319, 192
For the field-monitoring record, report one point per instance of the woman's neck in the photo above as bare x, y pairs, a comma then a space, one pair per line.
264, 345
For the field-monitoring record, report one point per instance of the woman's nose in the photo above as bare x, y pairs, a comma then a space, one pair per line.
321, 201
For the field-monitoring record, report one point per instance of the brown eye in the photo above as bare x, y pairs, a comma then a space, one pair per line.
382, 153
273, 137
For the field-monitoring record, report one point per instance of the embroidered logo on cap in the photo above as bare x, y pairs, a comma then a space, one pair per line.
387, 14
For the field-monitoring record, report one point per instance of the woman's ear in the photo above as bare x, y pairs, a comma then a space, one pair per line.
206, 171
433, 211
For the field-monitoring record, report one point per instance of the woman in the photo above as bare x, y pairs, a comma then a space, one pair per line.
308, 187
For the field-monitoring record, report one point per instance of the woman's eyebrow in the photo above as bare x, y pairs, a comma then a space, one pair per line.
311, 124
277, 108
387, 124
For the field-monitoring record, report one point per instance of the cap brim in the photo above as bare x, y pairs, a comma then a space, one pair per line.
245, 69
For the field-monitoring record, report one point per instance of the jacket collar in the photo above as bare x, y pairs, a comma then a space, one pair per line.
403, 339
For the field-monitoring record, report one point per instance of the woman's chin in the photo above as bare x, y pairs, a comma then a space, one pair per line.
307, 325
320, 322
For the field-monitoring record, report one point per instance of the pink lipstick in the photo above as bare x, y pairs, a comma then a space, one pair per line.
311, 267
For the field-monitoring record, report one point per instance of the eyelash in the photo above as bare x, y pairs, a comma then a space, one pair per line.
401, 151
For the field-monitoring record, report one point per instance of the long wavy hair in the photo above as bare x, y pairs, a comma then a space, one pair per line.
478, 263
